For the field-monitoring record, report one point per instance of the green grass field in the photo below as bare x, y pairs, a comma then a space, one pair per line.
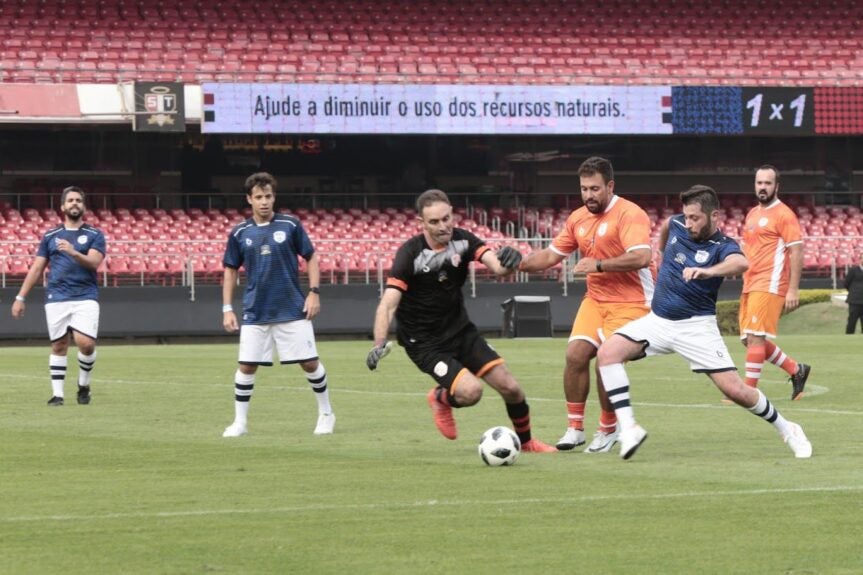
141, 481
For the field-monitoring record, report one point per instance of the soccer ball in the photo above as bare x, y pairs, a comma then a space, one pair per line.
499, 446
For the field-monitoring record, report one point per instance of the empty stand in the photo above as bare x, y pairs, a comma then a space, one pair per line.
507, 42
159, 247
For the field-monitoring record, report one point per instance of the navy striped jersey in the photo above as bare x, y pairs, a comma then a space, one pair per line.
67, 279
432, 304
268, 252
675, 298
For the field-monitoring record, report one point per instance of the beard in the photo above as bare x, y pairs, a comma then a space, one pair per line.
74, 215
766, 199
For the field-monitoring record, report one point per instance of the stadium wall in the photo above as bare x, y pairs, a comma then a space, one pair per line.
131, 312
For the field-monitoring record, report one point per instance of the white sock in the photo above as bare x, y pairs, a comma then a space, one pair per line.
318, 381
765, 410
85, 366
616, 384
57, 367
244, 385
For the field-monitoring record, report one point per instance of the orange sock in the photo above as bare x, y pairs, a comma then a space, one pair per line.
575, 413
754, 363
607, 421
777, 357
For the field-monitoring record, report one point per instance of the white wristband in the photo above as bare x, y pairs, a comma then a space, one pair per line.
20, 298
227, 307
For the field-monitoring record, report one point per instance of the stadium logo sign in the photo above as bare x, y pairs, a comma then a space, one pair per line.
159, 107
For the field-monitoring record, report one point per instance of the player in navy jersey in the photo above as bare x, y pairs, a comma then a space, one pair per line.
696, 259
72, 251
276, 312
424, 293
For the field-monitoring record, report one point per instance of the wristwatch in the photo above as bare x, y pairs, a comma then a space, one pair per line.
316, 290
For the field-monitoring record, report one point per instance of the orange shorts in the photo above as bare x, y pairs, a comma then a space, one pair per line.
595, 321
759, 313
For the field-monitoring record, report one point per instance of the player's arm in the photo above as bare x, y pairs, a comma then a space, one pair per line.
313, 299
33, 275
503, 262
733, 265
229, 318
383, 318
663, 234
540, 260
795, 258
90, 260
634, 259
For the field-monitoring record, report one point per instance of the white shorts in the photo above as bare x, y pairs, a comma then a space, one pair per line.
294, 341
81, 316
696, 339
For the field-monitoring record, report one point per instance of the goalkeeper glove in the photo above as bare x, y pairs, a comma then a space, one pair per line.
377, 354
508, 257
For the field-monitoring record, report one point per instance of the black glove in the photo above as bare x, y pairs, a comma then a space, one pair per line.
377, 354
508, 257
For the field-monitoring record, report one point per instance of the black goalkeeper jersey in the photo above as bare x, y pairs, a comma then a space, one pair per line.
432, 305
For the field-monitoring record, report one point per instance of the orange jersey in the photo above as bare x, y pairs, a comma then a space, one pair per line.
768, 232
622, 227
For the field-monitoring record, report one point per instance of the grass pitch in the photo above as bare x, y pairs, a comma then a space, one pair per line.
141, 481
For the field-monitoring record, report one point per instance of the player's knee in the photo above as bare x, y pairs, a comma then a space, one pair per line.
469, 392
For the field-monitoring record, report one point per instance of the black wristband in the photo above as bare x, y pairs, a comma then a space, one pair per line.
315, 290
599, 265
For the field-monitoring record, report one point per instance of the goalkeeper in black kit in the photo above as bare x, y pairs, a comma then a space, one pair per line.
424, 294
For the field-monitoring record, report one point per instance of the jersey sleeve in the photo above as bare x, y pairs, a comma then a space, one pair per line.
233, 257
476, 247
99, 243
634, 226
303, 243
43, 250
566, 240
729, 248
402, 270
789, 229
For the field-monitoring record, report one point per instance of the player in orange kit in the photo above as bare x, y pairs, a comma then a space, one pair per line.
612, 235
773, 244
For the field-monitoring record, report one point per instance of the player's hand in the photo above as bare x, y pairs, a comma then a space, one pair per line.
229, 322
792, 300
18, 309
377, 354
64, 246
696, 274
508, 257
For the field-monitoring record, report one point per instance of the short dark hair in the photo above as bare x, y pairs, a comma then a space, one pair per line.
596, 165
770, 167
75, 189
430, 197
704, 195
260, 179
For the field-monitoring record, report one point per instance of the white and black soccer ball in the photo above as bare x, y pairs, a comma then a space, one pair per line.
499, 446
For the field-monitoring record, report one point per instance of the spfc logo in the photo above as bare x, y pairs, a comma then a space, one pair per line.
762, 222
82, 240
603, 227
279, 236
162, 104
701, 256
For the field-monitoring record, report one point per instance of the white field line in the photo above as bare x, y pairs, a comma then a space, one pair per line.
431, 503
811, 390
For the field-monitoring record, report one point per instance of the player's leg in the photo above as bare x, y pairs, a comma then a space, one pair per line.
485, 362
256, 348
754, 400
614, 316
759, 321
584, 340
295, 343
646, 335
456, 386
85, 326
58, 316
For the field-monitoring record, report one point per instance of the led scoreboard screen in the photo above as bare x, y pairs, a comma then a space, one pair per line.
525, 110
